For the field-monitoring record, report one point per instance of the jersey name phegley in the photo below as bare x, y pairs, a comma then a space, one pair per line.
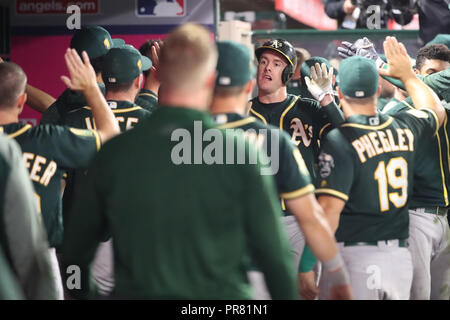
378, 142
35, 165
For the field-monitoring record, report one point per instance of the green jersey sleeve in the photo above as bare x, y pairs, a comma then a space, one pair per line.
295, 179
73, 148
423, 121
440, 83
147, 99
336, 167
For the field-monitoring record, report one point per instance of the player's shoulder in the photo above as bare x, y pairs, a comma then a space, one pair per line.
9, 149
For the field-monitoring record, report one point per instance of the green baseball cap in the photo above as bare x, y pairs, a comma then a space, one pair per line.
95, 40
358, 77
441, 39
124, 64
234, 66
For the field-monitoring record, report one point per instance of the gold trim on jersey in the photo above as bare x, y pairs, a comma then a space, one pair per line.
283, 205
20, 131
237, 123
258, 115
444, 187
435, 118
119, 110
362, 126
323, 128
407, 104
332, 192
286, 111
297, 193
448, 146
98, 140
148, 94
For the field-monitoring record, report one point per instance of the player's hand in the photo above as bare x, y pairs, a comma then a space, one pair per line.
321, 82
343, 292
399, 64
152, 82
307, 285
82, 74
363, 48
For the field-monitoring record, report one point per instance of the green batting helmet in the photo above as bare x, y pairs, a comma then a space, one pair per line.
286, 50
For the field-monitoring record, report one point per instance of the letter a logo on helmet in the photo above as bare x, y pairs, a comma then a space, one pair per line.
284, 48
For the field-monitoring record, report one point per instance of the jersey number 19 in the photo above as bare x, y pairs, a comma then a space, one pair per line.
395, 173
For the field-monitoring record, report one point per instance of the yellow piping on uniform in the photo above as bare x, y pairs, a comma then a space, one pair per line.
298, 193
283, 205
361, 126
286, 111
407, 104
323, 128
332, 192
435, 118
258, 115
98, 140
237, 123
19, 132
120, 110
148, 94
448, 145
442, 171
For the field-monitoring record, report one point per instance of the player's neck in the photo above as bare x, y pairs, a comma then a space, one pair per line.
228, 105
273, 97
363, 110
121, 96
198, 99
7, 117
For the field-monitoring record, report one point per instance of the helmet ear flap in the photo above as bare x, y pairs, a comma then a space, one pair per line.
287, 74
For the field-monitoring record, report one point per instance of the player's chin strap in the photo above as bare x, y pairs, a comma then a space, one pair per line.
336, 272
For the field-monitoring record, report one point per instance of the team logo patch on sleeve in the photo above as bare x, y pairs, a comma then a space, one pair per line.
418, 113
326, 164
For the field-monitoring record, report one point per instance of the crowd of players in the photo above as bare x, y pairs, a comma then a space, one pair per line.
356, 207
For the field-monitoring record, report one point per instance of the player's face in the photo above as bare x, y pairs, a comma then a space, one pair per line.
431, 66
270, 68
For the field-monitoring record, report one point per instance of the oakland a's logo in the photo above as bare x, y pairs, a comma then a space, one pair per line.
277, 44
326, 164
106, 43
301, 131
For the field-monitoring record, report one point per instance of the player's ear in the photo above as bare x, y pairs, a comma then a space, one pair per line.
20, 102
211, 80
249, 86
379, 91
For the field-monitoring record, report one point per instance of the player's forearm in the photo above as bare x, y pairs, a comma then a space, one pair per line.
317, 232
330, 107
105, 122
423, 97
37, 99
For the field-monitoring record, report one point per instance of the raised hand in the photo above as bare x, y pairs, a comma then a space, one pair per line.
321, 82
82, 74
399, 64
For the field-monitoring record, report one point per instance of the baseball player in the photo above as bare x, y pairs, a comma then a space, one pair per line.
150, 49
122, 71
189, 236
96, 41
373, 154
49, 150
429, 240
304, 119
234, 83
22, 236
429, 232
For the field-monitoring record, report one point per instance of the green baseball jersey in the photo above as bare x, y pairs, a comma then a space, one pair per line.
48, 151
291, 175
368, 162
181, 228
71, 100
381, 103
127, 114
431, 170
302, 118
147, 99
